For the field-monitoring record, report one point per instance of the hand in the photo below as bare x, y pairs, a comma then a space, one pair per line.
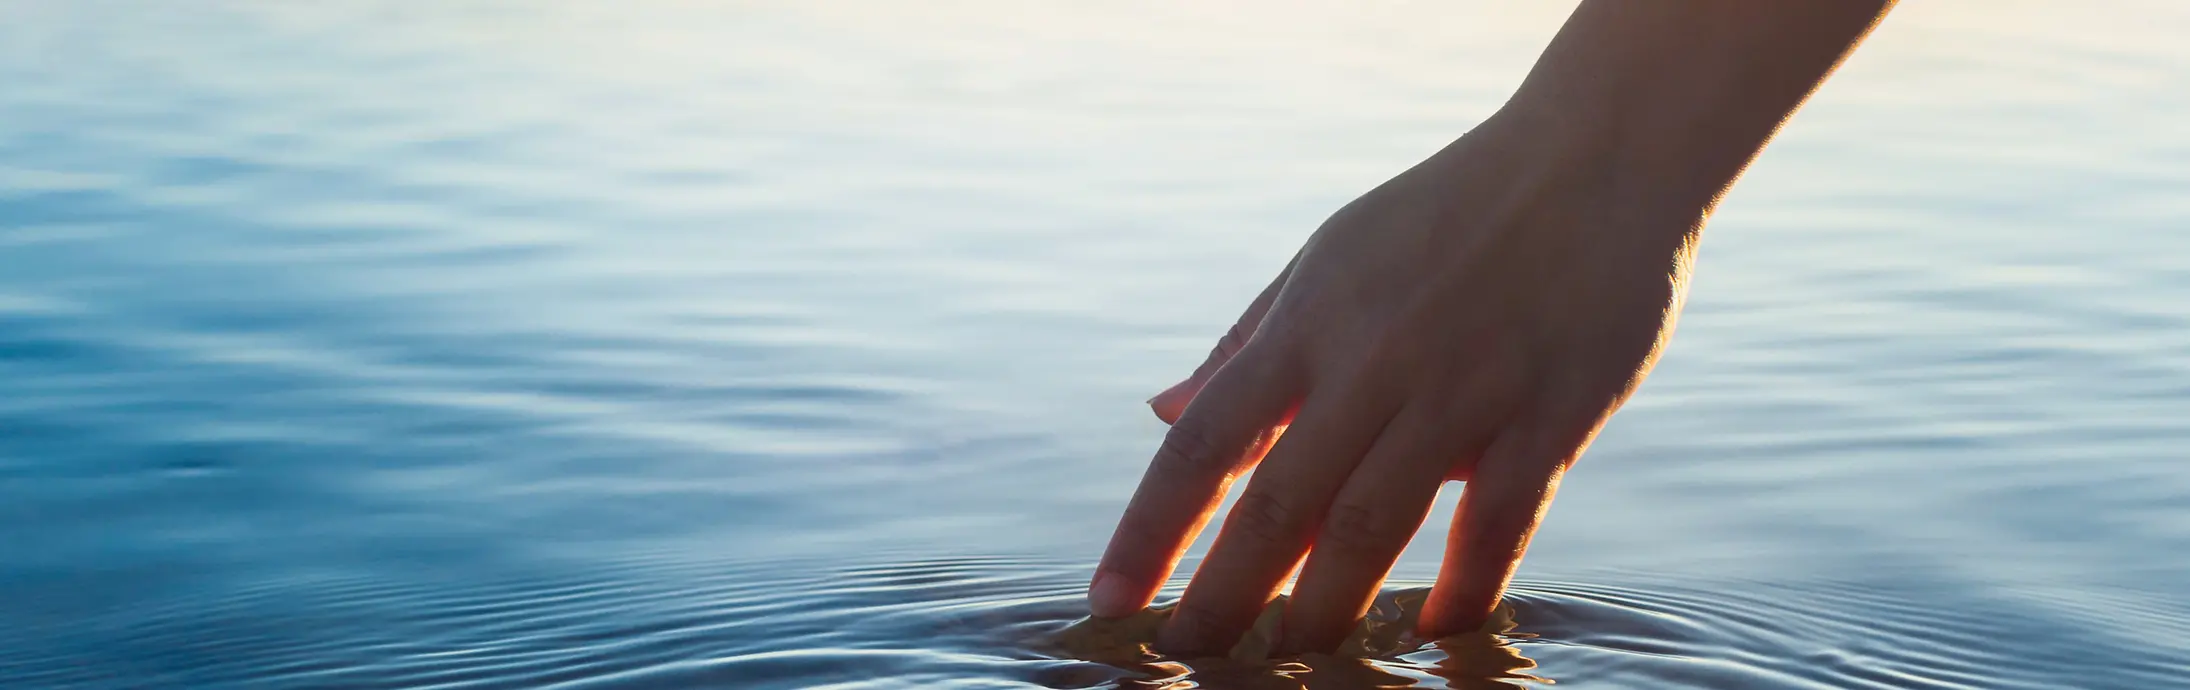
1477, 318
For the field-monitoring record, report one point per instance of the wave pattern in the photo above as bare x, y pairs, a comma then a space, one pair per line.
988, 622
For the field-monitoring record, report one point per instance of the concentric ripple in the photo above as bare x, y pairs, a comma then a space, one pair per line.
994, 622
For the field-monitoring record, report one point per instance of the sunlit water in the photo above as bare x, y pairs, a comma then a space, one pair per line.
613, 345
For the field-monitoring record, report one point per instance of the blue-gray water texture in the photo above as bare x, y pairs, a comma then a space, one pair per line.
769, 345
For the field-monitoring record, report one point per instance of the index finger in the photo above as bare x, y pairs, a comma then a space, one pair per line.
1223, 432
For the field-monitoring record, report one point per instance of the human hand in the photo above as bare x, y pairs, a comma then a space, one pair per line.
1477, 318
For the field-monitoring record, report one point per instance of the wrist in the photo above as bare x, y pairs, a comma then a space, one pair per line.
1679, 93
1684, 153
1648, 180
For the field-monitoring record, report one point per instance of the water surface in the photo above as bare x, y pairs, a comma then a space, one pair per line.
521, 344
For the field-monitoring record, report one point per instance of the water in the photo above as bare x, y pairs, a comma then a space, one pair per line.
555, 345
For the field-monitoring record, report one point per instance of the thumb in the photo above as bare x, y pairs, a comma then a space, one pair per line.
1172, 402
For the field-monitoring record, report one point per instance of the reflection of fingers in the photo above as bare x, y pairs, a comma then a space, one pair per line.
1269, 528
1369, 523
1504, 501
1173, 401
1221, 434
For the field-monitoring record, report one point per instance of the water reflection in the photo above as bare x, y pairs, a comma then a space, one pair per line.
1376, 655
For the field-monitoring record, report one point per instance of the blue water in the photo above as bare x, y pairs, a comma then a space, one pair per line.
652, 345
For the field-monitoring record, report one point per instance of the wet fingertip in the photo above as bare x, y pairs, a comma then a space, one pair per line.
1110, 595
1172, 639
1188, 634
1298, 643
1286, 638
1288, 642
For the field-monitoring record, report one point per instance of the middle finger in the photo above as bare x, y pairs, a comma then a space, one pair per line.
1268, 529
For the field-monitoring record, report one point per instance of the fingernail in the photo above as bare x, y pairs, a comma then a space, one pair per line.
1167, 405
1173, 389
1111, 596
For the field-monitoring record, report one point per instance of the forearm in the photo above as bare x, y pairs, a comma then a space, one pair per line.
1683, 92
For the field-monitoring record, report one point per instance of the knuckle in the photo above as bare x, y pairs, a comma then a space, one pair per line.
1231, 350
1357, 529
1190, 449
1235, 339
1265, 518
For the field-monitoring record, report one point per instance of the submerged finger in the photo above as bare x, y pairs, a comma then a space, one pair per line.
1269, 528
1370, 522
1499, 511
1222, 434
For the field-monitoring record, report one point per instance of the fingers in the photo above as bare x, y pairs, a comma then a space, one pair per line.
1269, 529
1499, 510
1369, 524
1225, 431
1169, 404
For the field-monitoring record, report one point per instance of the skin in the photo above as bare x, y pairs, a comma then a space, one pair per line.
1477, 318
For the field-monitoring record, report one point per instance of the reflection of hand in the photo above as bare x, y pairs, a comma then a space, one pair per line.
1477, 318
1465, 660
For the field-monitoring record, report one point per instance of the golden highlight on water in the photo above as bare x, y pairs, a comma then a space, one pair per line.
1386, 634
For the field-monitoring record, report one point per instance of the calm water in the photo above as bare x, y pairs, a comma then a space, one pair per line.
700, 345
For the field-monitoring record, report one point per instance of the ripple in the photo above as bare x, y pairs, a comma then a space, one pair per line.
670, 621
